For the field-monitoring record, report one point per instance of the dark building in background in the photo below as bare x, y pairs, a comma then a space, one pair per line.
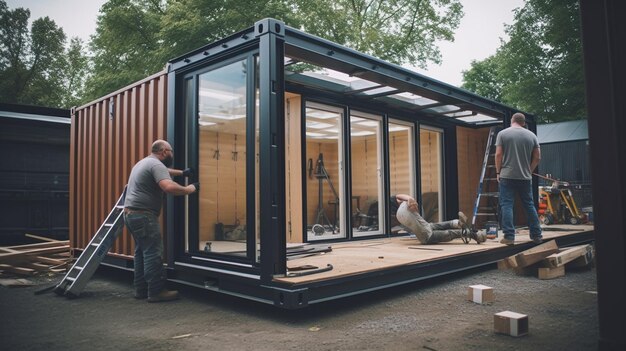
35, 144
565, 156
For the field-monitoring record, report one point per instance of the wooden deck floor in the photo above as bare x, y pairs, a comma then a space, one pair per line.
351, 258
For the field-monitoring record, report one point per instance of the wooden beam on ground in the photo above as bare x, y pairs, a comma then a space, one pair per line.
536, 254
27, 247
551, 272
582, 261
17, 270
13, 256
567, 255
15, 282
48, 260
42, 238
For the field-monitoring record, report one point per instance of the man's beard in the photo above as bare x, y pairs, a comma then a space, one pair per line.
168, 161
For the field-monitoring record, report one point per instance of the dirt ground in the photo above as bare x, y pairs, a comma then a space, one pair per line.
431, 315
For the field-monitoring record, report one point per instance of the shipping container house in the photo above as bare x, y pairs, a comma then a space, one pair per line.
297, 142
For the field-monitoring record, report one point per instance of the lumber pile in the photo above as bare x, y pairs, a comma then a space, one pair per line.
548, 261
49, 256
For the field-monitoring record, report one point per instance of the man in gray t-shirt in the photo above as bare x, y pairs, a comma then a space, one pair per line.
517, 156
149, 179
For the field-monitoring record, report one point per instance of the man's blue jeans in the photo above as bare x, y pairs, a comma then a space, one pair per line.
149, 273
508, 189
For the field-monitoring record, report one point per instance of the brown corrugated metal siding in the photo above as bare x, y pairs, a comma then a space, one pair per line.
104, 148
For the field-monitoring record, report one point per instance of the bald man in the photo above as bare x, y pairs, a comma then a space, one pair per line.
149, 179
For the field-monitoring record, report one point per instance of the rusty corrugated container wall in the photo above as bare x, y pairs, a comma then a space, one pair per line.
108, 137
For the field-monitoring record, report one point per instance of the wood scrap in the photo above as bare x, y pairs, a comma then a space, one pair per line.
551, 272
20, 282
536, 254
567, 255
30, 259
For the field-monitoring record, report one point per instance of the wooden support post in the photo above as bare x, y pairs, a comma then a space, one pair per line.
551, 272
536, 254
567, 255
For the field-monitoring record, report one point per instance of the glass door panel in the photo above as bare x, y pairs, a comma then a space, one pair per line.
222, 113
324, 207
401, 162
431, 162
366, 182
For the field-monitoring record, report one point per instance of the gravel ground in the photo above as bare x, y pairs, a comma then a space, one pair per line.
431, 315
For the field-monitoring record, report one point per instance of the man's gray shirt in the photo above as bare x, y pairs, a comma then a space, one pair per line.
517, 150
143, 191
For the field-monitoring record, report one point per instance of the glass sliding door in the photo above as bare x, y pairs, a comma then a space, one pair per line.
324, 208
367, 169
431, 163
402, 178
223, 112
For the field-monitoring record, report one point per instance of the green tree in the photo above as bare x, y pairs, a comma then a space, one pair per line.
135, 38
539, 69
35, 68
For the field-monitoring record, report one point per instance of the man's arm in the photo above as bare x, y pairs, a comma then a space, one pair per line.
536, 157
410, 200
174, 172
171, 187
498, 159
177, 172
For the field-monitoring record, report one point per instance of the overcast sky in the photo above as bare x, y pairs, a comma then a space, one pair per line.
477, 37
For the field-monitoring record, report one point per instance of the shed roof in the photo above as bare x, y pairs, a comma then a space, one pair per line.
562, 131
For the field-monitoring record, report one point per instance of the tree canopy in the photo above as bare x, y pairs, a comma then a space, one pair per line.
135, 38
35, 66
540, 69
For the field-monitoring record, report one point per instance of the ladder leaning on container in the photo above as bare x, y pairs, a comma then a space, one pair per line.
77, 277
488, 191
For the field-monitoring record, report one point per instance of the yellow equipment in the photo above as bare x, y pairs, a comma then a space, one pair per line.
557, 205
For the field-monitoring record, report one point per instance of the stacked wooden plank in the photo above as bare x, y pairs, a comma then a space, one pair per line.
30, 259
548, 261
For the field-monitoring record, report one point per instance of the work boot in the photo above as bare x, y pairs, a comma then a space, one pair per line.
164, 295
469, 231
140, 295
506, 241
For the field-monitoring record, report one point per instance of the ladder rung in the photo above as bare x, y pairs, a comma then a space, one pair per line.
95, 244
486, 214
119, 206
78, 268
108, 224
490, 194
71, 279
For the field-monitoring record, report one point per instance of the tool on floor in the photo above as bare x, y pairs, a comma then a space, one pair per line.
557, 205
77, 277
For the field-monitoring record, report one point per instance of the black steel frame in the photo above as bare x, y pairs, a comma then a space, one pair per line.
272, 40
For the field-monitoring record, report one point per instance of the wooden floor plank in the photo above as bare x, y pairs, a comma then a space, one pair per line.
349, 258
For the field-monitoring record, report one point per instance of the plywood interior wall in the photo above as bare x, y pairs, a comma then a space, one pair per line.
399, 171
471, 144
104, 148
365, 165
222, 173
293, 168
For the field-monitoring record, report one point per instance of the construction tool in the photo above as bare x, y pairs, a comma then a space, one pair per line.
488, 193
557, 205
77, 277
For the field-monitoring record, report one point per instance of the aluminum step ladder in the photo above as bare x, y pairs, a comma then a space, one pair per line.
83, 269
487, 199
